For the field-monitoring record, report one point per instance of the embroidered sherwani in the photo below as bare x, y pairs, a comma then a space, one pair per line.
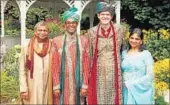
39, 87
105, 79
70, 75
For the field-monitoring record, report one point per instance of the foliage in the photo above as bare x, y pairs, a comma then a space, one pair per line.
10, 75
29, 33
55, 29
12, 25
160, 101
127, 27
9, 87
159, 49
34, 15
162, 71
160, 87
11, 10
11, 63
152, 13
162, 77
12, 32
164, 34
157, 42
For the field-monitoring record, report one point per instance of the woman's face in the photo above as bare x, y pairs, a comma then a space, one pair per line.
135, 41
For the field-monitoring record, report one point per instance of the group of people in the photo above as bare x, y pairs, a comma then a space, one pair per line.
97, 67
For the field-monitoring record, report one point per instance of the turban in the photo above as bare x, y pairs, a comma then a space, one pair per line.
70, 13
104, 6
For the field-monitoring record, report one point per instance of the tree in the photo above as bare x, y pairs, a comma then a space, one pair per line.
12, 18
147, 13
12, 24
11, 10
37, 14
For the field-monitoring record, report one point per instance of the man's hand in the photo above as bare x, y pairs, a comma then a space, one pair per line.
24, 95
57, 93
83, 92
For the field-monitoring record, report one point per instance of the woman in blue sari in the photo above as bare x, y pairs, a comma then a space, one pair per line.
137, 67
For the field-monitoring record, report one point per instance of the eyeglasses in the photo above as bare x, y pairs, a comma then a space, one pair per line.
71, 23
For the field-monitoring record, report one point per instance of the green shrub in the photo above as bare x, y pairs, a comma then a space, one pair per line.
12, 32
29, 33
12, 28
10, 75
157, 42
55, 29
9, 87
159, 48
160, 101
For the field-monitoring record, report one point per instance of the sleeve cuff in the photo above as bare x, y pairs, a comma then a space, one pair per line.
23, 90
84, 86
56, 87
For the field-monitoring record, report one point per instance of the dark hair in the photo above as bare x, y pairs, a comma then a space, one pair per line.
141, 35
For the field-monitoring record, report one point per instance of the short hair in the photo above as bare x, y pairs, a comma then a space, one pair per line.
41, 23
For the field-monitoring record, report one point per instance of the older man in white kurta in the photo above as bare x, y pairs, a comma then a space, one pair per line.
35, 75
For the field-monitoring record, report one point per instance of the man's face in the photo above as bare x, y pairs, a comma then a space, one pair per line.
42, 32
105, 17
71, 26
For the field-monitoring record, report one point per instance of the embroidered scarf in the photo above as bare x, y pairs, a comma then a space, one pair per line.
33, 47
92, 97
62, 72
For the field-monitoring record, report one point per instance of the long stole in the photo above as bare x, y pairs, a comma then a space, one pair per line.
62, 76
92, 97
116, 67
50, 91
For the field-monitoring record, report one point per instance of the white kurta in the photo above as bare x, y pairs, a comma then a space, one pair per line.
37, 87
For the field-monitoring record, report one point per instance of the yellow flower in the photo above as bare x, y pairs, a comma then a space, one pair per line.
162, 66
127, 35
149, 35
160, 87
164, 34
144, 31
161, 70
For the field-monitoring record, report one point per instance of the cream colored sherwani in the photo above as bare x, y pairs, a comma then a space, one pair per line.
38, 86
